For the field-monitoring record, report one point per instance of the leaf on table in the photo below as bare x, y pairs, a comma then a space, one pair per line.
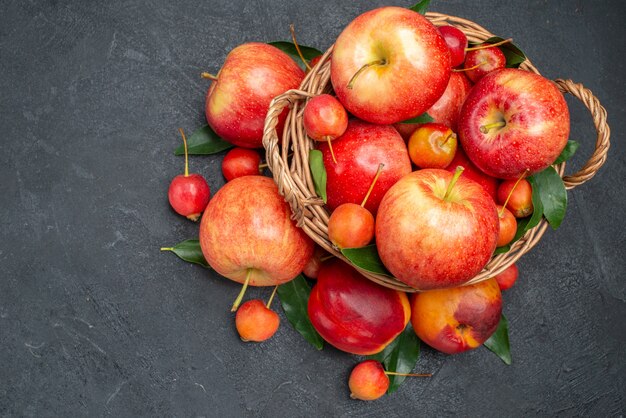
552, 194
204, 141
568, 152
294, 298
190, 251
288, 47
366, 258
498, 343
423, 118
421, 7
318, 171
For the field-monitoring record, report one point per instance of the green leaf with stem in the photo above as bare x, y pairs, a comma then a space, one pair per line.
318, 171
366, 258
288, 47
552, 194
498, 343
190, 251
568, 152
294, 298
204, 141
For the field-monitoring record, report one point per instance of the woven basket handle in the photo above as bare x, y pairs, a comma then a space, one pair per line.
598, 113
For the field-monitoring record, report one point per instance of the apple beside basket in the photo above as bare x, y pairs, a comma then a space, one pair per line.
293, 177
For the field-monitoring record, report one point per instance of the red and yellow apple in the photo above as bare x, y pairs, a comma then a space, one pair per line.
458, 319
513, 122
247, 230
238, 100
353, 313
359, 153
434, 233
389, 64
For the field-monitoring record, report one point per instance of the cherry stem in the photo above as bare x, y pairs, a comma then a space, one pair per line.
269, 302
457, 174
485, 46
328, 257
460, 70
330, 146
182, 133
369, 191
450, 135
242, 292
501, 211
363, 68
486, 128
409, 374
208, 76
292, 29
264, 165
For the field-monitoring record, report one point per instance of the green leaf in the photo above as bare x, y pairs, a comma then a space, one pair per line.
399, 356
294, 297
421, 6
498, 343
514, 56
423, 118
318, 171
366, 258
307, 52
503, 249
204, 141
552, 194
189, 250
568, 152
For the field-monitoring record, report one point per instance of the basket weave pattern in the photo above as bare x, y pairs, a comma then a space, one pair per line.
293, 177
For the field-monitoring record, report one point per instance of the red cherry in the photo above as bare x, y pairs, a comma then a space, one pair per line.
480, 62
188, 193
432, 145
325, 119
457, 42
508, 226
239, 162
507, 278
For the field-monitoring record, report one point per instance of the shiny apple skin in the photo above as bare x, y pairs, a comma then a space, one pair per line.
415, 74
488, 183
237, 103
458, 319
359, 151
429, 243
536, 117
189, 195
353, 313
324, 117
247, 225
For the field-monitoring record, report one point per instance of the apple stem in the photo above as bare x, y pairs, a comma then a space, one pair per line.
486, 128
460, 70
292, 29
457, 174
242, 292
409, 374
186, 154
269, 302
167, 249
485, 46
447, 138
208, 76
263, 165
369, 191
363, 68
501, 211
330, 146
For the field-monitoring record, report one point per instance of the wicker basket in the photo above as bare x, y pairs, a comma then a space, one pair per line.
292, 175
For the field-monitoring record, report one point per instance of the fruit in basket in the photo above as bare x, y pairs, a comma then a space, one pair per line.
446, 110
513, 122
508, 226
458, 319
456, 41
238, 99
355, 314
188, 194
239, 162
255, 321
489, 184
312, 267
517, 195
432, 145
359, 151
351, 225
435, 229
368, 381
325, 119
481, 62
508, 277
389, 64
247, 235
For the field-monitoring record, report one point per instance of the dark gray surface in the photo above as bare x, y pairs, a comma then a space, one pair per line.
95, 321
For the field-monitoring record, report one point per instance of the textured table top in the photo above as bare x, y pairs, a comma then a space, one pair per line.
95, 321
